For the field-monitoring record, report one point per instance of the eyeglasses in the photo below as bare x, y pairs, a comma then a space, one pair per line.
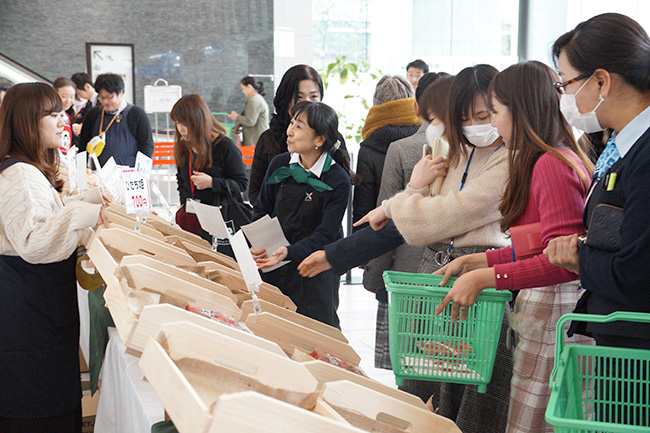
560, 86
110, 97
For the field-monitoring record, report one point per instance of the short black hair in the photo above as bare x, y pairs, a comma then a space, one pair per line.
112, 83
425, 81
420, 64
80, 79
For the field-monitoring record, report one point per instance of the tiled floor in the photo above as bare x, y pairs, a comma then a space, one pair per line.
357, 312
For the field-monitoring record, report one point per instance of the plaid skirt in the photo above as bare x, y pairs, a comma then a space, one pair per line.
472, 411
536, 314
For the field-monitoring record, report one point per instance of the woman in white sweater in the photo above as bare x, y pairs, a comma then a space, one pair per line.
463, 219
39, 320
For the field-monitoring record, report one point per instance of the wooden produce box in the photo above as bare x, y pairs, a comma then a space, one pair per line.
234, 280
128, 222
202, 253
191, 367
140, 285
153, 317
290, 336
292, 316
325, 372
252, 412
373, 411
165, 227
89, 412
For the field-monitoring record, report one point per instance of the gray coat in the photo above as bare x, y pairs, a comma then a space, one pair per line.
401, 157
254, 120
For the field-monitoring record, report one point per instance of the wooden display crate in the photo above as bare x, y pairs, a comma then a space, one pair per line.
153, 317
190, 368
373, 411
325, 372
289, 336
252, 412
292, 316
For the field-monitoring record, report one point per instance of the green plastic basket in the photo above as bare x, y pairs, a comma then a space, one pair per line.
428, 347
598, 389
226, 122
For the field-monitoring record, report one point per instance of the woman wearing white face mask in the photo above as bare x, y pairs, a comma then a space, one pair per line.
462, 219
611, 53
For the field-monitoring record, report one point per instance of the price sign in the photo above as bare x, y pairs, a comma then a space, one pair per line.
136, 192
143, 164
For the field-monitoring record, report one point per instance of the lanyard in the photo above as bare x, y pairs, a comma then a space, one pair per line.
190, 172
447, 254
101, 124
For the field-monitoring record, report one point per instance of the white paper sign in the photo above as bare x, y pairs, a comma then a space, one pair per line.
136, 192
266, 234
245, 260
211, 220
161, 198
82, 177
161, 99
143, 165
72, 168
189, 206
111, 177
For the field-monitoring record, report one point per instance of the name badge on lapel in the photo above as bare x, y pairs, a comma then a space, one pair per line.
308, 196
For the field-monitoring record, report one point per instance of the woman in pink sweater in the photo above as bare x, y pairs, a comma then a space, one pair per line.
549, 174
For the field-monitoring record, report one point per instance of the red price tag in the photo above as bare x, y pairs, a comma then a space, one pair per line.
136, 191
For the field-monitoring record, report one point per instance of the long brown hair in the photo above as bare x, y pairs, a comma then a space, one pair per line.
538, 127
21, 111
468, 84
435, 99
203, 130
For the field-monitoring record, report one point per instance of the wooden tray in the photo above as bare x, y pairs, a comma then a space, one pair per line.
300, 319
129, 224
154, 316
188, 396
290, 336
144, 277
202, 254
179, 273
235, 282
251, 412
362, 407
324, 373
163, 226
123, 242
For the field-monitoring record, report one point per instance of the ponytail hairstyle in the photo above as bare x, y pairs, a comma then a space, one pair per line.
613, 42
258, 86
538, 127
21, 111
203, 130
468, 84
324, 121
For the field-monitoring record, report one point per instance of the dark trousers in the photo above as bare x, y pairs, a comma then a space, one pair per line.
66, 423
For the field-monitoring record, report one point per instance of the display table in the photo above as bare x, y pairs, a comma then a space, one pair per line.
127, 403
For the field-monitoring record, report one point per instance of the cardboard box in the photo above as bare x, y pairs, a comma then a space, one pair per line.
89, 412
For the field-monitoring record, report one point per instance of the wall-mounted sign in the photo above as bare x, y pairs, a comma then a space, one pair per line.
103, 58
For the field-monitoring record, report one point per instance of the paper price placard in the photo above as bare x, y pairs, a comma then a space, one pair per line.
111, 177
136, 192
82, 177
143, 165
245, 261
72, 168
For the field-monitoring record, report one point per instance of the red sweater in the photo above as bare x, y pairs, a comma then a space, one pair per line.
556, 200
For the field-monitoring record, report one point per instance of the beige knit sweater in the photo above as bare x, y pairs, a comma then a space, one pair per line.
471, 216
34, 223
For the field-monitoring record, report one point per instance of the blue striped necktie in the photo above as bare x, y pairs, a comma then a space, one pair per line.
609, 156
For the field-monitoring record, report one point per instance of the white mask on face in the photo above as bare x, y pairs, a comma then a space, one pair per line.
587, 122
481, 135
434, 131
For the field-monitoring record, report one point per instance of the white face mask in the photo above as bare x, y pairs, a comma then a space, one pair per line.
587, 122
434, 131
481, 135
